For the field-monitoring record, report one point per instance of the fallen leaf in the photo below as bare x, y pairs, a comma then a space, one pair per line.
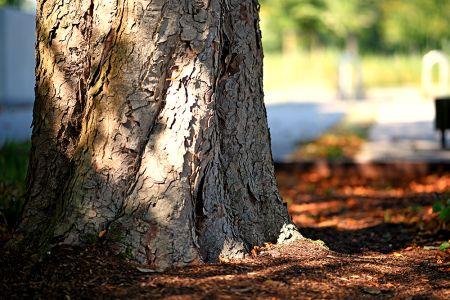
273, 283
223, 260
145, 270
430, 248
372, 291
241, 289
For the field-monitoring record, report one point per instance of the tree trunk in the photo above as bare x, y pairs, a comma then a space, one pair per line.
150, 131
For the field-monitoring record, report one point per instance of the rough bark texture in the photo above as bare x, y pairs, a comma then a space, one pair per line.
150, 130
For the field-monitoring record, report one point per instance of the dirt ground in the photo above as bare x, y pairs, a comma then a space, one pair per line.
380, 238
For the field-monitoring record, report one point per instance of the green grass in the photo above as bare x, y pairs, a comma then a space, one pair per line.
14, 162
341, 142
393, 70
13, 165
307, 68
320, 68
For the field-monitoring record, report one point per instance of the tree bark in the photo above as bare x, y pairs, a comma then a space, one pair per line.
150, 131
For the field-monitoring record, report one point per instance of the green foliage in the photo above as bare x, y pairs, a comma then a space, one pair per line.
416, 24
444, 246
443, 208
13, 166
15, 3
378, 25
302, 17
14, 162
350, 17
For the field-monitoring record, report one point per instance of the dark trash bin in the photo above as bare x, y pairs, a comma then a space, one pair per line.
442, 120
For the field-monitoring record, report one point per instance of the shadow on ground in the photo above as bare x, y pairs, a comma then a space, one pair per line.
375, 252
302, 269
383, 238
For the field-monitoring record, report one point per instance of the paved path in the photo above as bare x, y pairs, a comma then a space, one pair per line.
404, 131
291, 123
403, 127
300, 114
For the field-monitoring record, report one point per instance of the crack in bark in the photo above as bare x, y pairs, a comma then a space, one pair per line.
199, 217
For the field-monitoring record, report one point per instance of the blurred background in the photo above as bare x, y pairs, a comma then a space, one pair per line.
365, 70
344, 79
305, 39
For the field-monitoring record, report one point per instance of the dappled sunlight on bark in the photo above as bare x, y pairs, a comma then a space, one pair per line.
150, 132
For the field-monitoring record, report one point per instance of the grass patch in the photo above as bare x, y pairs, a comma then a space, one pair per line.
342, 141
13, 165
305, 68
319, 68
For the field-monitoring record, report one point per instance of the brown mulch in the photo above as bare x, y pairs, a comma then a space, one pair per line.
382, 237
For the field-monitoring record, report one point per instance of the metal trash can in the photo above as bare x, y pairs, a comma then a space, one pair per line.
442, 119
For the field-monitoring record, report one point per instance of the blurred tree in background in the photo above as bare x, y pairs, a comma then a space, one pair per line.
416, 24
14, 3
378, 26
350, 20
284, 19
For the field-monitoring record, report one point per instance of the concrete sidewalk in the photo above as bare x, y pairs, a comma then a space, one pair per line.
299, 117
404, 131
294, 122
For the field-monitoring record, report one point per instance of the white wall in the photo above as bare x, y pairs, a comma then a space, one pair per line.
17, 57
17, 64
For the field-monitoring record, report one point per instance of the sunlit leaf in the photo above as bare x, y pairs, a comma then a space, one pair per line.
444, 246
430, 248
438, 206
223, 260
372, 291
145, 270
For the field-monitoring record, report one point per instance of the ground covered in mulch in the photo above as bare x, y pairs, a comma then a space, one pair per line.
381, 241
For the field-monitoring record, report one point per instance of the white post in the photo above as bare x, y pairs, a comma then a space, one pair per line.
350, 84
432, 58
